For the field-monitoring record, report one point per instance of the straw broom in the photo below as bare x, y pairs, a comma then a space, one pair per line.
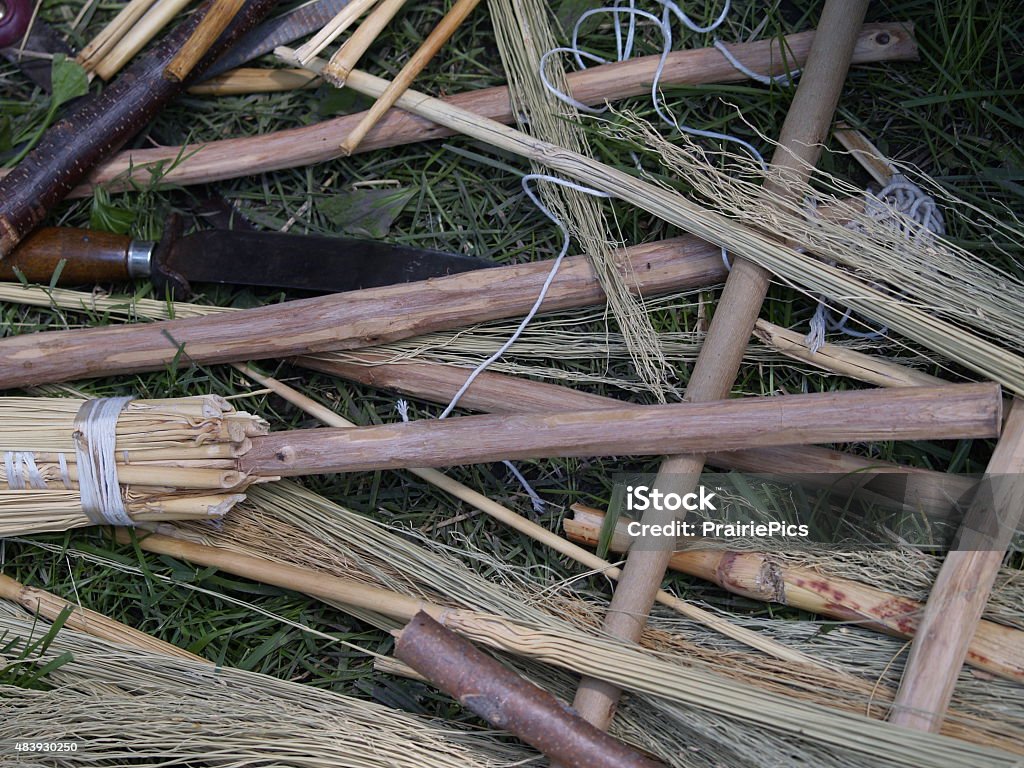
170, 459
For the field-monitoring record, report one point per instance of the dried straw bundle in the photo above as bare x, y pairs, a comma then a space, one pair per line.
130, 706
69, 462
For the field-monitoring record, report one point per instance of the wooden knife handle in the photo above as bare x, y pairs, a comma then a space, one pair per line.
90, 257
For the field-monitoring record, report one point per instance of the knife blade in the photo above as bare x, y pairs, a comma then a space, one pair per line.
233, 257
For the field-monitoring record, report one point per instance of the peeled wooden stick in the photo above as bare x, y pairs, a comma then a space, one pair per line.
412, 68
229, 158
112, 33
995, 648
156, 18
346, 57
214, 22
50, 607
805, 127
864, 152
951, 411
949, 626
501, 393
507, 700
346, 320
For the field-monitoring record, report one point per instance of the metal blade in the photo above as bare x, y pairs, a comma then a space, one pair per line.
287, 27
305, 262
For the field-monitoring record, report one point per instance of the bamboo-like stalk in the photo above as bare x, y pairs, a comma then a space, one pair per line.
951, 411
318, 143
50, 606
954, 607
252, 80
101, 45
134, 39
346, 17
214, 22
995, 648
354, 319
437, 38
348, 56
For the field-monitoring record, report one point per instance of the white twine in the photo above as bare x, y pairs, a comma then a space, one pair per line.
18, 464
907, 209
95, 438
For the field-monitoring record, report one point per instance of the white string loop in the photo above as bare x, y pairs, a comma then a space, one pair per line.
95, 439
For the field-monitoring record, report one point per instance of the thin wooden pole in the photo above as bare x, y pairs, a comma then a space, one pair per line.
215, 21
803, 132
437, 38
346, 57
317, 143
962, 588
950, 411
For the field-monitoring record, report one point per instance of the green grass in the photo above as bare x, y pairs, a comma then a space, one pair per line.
956, 114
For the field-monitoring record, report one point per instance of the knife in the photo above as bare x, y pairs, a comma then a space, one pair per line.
234, 257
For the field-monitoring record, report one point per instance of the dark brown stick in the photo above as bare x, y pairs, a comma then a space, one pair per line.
347, 320
507, 701
100, 125
951, 411
317, 143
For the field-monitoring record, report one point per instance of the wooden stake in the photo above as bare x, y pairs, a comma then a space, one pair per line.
214, 22
995, 648
346, 58
864, 152
806, 126
951, 411
962, 588
318, 143
347, 320
412, 68
159, 16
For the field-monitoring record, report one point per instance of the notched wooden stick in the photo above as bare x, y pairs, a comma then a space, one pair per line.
508, 701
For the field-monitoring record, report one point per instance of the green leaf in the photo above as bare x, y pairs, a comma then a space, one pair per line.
68, 79
107, 217
366, 212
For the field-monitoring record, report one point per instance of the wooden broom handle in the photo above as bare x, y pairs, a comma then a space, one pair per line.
805, 128
911, 413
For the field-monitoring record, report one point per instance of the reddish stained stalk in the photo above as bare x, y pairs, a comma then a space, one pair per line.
508, 701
